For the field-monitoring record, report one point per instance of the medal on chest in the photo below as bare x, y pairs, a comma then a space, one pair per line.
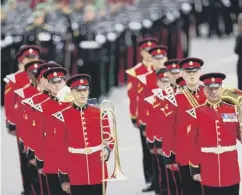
229, 117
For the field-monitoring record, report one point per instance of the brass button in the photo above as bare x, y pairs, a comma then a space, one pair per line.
219, 133
44, 133
85, 133
87, 143
86, 138
219, 140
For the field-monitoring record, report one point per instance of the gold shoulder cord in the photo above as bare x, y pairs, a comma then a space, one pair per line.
193, 102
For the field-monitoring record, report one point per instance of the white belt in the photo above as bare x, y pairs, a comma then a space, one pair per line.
219, 150
88, 150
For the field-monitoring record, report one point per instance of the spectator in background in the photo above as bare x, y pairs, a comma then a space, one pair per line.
238, 51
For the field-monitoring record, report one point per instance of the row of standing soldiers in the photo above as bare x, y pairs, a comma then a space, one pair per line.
62, 148
188, 133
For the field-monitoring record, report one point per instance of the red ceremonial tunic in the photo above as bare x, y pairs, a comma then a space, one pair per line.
53, 135
213, 141
14, 81
82, 161
134, 87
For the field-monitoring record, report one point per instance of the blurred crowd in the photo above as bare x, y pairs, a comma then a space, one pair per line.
99, 37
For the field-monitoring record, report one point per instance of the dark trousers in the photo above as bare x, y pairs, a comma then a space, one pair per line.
162, 175
35, 179
24, 167
54, 185
230, 190
155, 175
174, 182
189, 186
87, 189
147, 160
44, 184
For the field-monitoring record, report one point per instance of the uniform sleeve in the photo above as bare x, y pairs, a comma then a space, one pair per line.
195, 149
108, 138
142, 94
168, 144
9, 104
132, 94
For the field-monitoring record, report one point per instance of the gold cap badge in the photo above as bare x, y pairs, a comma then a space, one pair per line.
158, 51
213, 79
174, 65
190, 63
35, 65
81, 81
30, 50
55, 74
149, 43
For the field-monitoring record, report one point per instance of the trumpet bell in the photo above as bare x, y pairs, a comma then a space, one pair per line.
118, 175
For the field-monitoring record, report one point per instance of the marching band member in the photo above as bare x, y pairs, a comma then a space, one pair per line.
53, 132
82, 171
176, 148
23, 121
214, 158
134, 90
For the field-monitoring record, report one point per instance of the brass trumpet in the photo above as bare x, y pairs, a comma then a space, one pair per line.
234, 96
107, 109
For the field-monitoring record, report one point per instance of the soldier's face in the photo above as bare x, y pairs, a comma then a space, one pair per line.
146, 56
27, 59
55, 87
159, 63
80, 96
213, 94
174, 76
163, 84
191, 77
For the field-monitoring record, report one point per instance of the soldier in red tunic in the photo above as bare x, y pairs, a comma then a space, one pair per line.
134, 90
214, 158
48, 151
34, 131
86, 147
15, 81
23, 121
176, 147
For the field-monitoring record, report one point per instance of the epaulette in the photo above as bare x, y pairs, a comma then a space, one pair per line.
143, 78
229, 104
131, 71
94, 105
20, 91
30, 101
11, 77
47, 27
30, 27
150, 99
192, 112
59, 114
39, 107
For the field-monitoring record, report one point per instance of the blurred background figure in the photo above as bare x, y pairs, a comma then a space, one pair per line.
238, 51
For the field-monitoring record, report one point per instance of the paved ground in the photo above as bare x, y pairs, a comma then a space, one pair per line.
218, 56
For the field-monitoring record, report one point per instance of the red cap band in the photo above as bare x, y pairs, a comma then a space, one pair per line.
55, 74
212, 80
81, 82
